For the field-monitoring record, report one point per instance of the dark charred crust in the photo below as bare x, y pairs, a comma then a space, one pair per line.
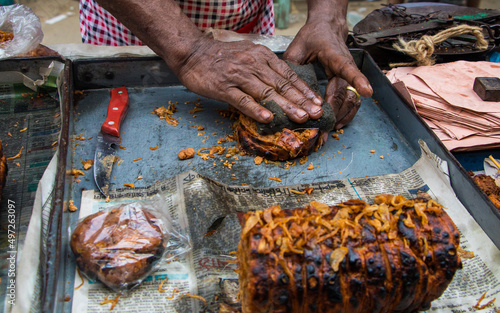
401, 269
281, 146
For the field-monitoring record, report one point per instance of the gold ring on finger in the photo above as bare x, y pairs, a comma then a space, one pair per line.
355, 91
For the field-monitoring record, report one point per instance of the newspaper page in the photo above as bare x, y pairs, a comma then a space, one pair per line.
196, 203
30, 119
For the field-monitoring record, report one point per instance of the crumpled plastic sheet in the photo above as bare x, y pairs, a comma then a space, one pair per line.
26, 27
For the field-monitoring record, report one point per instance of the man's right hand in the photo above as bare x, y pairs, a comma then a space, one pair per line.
243, 74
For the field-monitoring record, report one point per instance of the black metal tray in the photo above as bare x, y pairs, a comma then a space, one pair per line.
385, 123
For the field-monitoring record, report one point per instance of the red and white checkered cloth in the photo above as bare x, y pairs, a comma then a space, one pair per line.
99, 27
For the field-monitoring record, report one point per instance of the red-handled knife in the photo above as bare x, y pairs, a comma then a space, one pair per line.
108, 139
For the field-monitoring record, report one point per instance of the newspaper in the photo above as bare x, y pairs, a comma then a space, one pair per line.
195, 202
30, 123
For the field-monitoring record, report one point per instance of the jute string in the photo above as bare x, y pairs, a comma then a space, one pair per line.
422, 49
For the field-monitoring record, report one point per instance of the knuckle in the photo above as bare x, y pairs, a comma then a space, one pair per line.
267, 93
244, 102
245, 58
283, 86
261, 49
290, 75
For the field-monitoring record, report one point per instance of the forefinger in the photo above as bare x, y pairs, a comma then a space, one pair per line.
345, 67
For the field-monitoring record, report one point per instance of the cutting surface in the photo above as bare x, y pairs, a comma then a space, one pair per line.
349, 156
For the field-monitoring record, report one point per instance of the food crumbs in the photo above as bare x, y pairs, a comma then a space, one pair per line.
372, 151
165, 114
481, 307
303, 160
138, 159
122, 147
464, 254
87, 164
275, 179
72, 207
381, 156
311, 166
67, 299
139, 177
195, 297
129, 185
113, 302
75, 173
153, 148
258, 160
173, 293
9, 134
23, 130
185, 154
160, 288
336, 136
18, 164
18, 155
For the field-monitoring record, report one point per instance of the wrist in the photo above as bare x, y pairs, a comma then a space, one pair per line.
333, 12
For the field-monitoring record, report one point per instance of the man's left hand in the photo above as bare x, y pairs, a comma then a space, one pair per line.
325, 42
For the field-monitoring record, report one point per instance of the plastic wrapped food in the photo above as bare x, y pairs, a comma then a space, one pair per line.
396, 255
25, 28
120, 246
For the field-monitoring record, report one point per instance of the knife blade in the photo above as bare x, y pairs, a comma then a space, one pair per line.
108, 138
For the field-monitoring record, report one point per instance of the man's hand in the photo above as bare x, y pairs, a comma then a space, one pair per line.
243, 74
345, 102
239, 73
322, 39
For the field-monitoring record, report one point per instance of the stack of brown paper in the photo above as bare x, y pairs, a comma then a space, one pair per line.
443, 96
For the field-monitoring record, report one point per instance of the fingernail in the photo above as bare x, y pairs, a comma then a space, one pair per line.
266, 115
302, 114
316, 110
317, 101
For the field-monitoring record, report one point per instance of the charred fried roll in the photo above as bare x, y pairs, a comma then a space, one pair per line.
489, 187
119, 246
282, 139
3, 170
280, 146
396, 255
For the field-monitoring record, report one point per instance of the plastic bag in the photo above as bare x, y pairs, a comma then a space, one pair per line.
25, 26
276, 43
121, 245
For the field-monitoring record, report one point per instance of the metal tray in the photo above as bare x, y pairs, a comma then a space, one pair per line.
385, 123
29, 121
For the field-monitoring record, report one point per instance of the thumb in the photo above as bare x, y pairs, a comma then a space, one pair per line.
295, 53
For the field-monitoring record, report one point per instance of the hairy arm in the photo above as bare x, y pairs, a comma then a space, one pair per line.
239, 73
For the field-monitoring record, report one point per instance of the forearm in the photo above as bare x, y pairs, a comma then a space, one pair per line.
160, 24
332, 12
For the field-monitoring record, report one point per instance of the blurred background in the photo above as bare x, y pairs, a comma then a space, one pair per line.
60, 22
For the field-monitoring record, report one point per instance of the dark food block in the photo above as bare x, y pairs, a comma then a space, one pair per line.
325, 123
487, 88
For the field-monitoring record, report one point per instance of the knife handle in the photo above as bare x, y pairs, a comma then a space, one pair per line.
117, 109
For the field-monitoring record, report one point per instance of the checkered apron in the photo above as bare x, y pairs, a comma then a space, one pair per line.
99, 27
